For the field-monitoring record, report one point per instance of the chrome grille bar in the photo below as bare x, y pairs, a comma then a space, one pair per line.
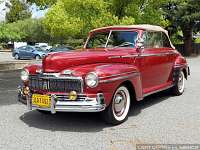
56, 84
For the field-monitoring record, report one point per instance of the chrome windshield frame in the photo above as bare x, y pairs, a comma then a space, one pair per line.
108, 37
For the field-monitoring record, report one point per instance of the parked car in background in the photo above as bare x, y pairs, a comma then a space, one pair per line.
60, 49
43, 46
28, 52
19, 44
117, 66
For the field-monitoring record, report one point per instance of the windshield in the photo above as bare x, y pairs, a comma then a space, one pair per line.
112, 39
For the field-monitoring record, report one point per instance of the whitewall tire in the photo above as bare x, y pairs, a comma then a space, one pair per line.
117, 111
179, 88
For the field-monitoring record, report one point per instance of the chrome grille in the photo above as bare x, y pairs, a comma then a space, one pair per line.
54, 84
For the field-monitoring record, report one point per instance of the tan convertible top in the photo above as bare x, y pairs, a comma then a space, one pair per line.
140, 26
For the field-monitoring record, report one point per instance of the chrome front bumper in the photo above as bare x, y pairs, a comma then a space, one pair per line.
62, 105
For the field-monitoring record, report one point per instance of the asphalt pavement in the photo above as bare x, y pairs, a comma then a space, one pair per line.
7, 62
159, 119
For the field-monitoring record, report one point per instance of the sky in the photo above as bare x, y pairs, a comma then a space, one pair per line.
36, 13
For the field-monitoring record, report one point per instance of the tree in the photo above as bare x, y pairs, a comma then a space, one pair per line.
9, 33
32, 30
74, 18
29, 30
43, 4
143, 11
18, 11
184, 14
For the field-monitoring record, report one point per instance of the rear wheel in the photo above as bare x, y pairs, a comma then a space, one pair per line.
117, 111
178, 89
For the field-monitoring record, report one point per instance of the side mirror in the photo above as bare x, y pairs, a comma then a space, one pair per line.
140, 44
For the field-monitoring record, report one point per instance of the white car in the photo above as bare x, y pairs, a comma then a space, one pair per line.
43, 46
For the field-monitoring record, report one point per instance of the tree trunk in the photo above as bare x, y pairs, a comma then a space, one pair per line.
187, 38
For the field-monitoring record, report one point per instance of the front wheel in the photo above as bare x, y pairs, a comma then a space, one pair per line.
179, 87
16, 56
117, 111
37, 57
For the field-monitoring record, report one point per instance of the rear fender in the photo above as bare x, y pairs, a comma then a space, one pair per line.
181, 65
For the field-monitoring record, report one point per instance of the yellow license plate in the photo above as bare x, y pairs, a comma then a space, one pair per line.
41, 100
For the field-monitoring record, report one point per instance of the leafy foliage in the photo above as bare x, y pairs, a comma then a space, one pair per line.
30, 30
43, 4
18, 11
183, 15
7, 33
143, 11
74, 18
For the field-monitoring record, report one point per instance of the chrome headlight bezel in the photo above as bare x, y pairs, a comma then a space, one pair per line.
24, 75
92, 80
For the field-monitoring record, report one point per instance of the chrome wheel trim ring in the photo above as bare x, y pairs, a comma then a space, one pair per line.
16, 56
121, 103
37, 57
181, 82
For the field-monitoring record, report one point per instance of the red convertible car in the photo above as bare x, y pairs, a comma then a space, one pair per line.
118, 65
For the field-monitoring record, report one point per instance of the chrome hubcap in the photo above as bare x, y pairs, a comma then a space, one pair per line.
37, 58
16, 56
120, 103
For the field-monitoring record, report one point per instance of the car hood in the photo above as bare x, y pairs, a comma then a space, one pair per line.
57, 62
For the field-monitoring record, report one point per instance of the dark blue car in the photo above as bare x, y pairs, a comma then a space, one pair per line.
60, 49
28, 52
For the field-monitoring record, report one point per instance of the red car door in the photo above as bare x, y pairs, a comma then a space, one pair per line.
155, 63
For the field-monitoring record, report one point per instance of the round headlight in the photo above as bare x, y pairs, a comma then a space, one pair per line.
91, 79
24, 75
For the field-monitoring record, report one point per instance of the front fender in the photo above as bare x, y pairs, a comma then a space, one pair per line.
111, 76
33, 68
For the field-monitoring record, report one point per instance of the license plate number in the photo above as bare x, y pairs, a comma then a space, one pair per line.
41, 100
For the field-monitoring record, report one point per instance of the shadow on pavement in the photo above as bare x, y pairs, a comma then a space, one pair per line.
83, 122
149, 101
72, 122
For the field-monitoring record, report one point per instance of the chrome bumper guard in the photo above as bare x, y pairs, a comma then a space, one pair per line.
87, 105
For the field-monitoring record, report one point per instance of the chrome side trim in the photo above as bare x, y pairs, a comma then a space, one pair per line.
114, 57
125, 56
98, 67
159, 54
119, 78
129, 56
142, 55
153, 92
117, 74
181, 66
